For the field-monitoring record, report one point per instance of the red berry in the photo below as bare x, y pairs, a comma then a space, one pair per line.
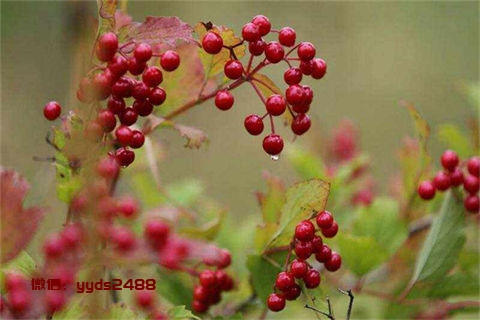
250, 32
124, 135
55, 301
276, 302
274, 52
124, 157
19, 301
157, 96
101, 85
143, 107
263, 24
312, 279
324, 254
170, 60
471, 203
71, 235
108, 168
293, 292
53, 247
128, 116
298, 268
319, 68
306, 51
212, 42
334, 263
441, 181
107, 46
224, 100
456, 177
199, 307
127, 206
292, 76
257, 48
332, 231
144, 298
305, 231
143, 52
52, 110
157, 232
471, 184
233, 69
224, 281
15, 281
122, 88
225, 259
115, 105
254, 124
324, 219
107, 120
152, 76
123, 238
208, 279
317, 244
200, 293
303, 249
138, 139
287, 36
300, 124
140, 91
284, 281
306, 67
295, 94
276, 105
308, 94
473, 166
135, 66
273, 144
449, 160
426, 190
118, 66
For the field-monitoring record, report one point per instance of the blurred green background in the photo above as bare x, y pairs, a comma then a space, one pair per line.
378, 53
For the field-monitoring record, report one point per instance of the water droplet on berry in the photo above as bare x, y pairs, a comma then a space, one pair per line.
275, 157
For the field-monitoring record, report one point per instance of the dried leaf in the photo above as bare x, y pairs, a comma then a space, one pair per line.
18, 224
106, 15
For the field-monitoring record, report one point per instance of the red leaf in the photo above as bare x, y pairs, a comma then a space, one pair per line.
18, 224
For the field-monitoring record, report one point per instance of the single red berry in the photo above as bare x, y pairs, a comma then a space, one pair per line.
53, 247
306, 51
303, 249
52, 110
200, 293
292, 76
471, 184
257, 48
124, 135
101, 85
274, 52
145, 298
143, 52
334, 263
293, 292
138, 139
472, 203
473, 166
199, 307
108, 168
157, 232
254, 124
305, 231
273, 144
324, 219
170, 60
300, 124
225, 259
276, 302
441, 181
135, 66
276, 105
224, 281
123, 238
317, 244
107, 45
214, 297
233, 69
319, 68
324, 254
127, 206
152, 76
208, 279
263, 24
122, 88
332, 231
212, 42
298, 268
118, 66
312, 279
107, 120
426, 190
301, 108
55, 300
250, 32
456, 177
306, 67
157, 96
124, 157
128, 116
71, 236
284, 281
449, 160
19, 301
224, 100
140, 91
115, 105
143, 107
287, 36
307, 90
15, 281
295, 94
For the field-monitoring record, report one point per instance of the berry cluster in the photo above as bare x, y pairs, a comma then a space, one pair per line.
454, 176
297, 97
208, 292
306, 244
130, 85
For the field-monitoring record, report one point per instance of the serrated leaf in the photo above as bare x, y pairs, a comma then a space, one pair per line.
360, 254
305, 163
180, 312
272, 202
454, 139
18, 223
262, 276
444, 241
303, 200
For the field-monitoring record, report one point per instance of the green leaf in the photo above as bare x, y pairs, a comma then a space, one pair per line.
23, 263
458, 284
74, 309
441, 248
472, 91
303, 200
454, 139
305, 163
381, 221
272, 202
121, 311
179, 312
106, 16
361, 254
173, 288
185, 192
263, 275
210, 217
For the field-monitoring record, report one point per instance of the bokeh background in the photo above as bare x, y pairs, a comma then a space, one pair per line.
378, 53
